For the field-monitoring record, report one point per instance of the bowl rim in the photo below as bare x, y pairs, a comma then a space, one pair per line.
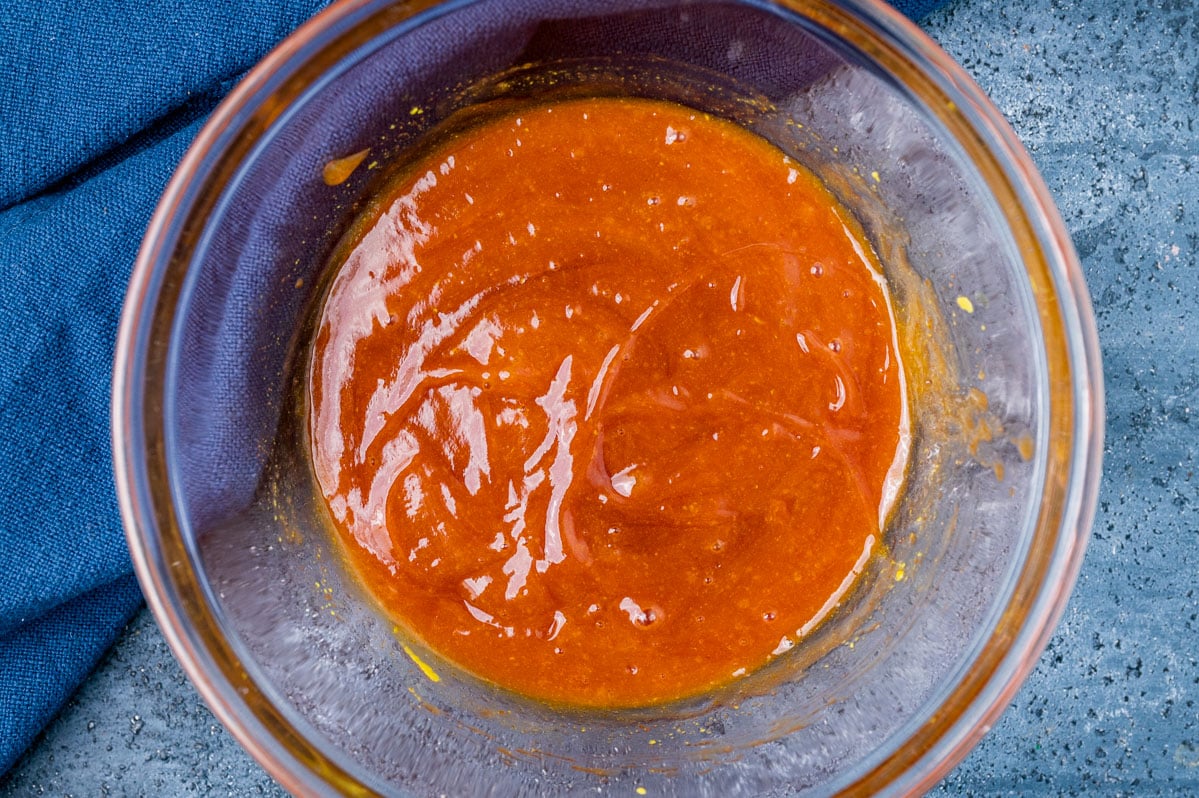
986, 693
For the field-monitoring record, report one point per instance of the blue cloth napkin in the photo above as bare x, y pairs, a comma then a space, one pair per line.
98, 102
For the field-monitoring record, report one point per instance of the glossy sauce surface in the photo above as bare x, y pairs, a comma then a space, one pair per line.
605, 402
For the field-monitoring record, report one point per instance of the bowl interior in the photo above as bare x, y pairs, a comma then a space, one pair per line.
316, 683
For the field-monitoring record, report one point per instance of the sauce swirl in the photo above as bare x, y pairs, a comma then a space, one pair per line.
605, 402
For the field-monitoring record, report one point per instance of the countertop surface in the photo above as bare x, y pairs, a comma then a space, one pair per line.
1105, 95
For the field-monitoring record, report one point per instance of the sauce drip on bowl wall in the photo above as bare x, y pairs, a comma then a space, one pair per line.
605, 402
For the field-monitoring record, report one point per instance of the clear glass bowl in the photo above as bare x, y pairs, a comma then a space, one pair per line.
984, 545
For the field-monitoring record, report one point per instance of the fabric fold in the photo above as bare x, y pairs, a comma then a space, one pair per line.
43, 662
98, 103
67, 259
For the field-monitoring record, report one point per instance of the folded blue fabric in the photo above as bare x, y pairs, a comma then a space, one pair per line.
98, 103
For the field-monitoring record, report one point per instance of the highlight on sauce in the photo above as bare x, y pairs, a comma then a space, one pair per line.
605, 402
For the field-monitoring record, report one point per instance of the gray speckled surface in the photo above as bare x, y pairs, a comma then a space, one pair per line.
1104, 95
138, 728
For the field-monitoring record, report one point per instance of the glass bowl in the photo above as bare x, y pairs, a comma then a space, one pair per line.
982, 549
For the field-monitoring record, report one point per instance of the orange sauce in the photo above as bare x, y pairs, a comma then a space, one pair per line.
605, 402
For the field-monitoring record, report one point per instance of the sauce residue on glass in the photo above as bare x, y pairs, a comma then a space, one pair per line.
606, 403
